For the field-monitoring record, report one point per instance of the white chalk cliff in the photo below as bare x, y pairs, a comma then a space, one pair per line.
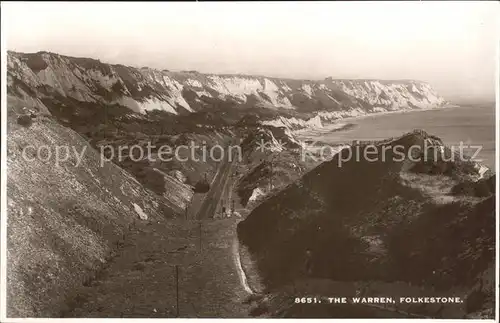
146, 89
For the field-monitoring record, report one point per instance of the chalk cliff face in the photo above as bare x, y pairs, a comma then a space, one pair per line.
146, 89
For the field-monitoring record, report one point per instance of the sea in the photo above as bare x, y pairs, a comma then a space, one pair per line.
473, 126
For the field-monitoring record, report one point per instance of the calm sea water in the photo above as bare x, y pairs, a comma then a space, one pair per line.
473, 126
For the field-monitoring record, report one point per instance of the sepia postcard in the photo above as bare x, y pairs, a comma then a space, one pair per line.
249, 160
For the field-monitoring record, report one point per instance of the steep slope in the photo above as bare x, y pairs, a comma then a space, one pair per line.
271, 160
370, 221
66, 218
144, 89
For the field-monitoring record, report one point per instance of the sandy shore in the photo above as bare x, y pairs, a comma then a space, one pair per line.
350, 119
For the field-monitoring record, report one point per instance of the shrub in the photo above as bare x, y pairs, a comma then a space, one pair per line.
482, 188
152, 180
24, 120
464, 188
36, 63
118, 88
202, 187
147, 176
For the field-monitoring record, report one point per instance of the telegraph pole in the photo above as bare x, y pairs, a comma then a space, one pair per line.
271, 177
188, 205
177, 288
199, 229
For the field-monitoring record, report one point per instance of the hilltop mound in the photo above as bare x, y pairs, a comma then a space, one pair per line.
376, 217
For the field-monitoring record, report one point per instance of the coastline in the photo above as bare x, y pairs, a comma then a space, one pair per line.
339, 132
348, 123
402, 111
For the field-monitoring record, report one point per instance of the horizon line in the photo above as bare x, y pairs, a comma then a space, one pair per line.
9, 52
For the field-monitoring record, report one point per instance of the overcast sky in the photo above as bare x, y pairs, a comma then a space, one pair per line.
451, 45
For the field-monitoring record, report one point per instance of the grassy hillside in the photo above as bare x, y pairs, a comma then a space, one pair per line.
376, 221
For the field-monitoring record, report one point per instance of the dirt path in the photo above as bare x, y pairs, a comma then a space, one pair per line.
188, 261
141, 280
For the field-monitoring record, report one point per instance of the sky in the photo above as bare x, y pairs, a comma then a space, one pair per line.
451, 45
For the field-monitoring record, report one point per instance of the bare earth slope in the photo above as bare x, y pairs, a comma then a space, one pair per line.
64, 220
